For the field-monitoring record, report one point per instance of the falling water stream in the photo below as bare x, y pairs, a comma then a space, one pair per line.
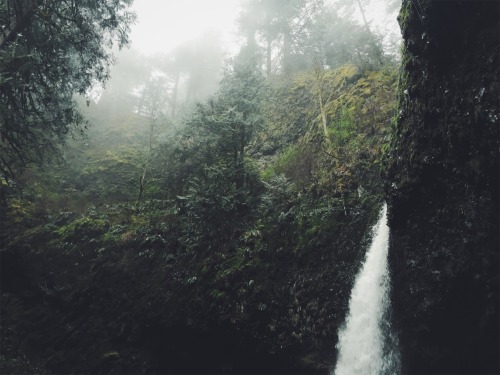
366, 344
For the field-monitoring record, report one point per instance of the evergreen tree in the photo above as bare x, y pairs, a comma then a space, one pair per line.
282, 27
50, 51
224, 188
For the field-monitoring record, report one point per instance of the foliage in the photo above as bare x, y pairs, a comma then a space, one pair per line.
214, 245
254, 202
339, 41
282, 26
218, 198
359, 107
81, 228
49, 52
220, 206
292, 36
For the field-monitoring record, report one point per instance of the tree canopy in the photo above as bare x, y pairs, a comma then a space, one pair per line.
50, 51
291, 36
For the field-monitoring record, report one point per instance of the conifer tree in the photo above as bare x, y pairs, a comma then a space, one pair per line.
49, 51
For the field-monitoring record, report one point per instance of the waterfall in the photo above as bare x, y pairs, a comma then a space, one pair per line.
366, 344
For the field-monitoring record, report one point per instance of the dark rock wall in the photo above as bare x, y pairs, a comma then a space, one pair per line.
442, 188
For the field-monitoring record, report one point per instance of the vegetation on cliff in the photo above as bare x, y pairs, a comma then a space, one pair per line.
235, 239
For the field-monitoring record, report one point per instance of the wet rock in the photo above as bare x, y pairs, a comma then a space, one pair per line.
443, 156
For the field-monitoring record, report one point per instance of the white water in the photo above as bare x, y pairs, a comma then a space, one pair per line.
366, 345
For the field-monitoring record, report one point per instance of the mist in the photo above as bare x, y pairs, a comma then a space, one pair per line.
179, 49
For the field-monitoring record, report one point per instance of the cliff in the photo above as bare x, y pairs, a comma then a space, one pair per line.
441, 184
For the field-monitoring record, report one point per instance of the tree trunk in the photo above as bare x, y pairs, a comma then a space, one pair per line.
269, 57
287, 53
320, 77
376, 48
174, 95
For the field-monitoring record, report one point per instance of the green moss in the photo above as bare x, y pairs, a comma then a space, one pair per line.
267, 173
114, 234
287, 157
83, 227
404, 14
20, 210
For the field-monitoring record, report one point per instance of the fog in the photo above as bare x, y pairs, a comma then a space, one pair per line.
179, 50
165, 24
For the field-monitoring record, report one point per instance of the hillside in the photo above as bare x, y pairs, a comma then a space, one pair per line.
94, 280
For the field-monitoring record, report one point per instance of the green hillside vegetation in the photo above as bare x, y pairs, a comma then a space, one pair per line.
197, 214
255, 230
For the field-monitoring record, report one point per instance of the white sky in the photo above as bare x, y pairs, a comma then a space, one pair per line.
164, 24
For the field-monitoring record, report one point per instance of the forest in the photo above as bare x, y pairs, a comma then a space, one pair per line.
205, 211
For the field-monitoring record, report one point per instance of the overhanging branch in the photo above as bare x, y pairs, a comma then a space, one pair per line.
19, 23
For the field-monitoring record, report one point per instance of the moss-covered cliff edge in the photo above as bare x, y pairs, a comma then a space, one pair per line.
442, 188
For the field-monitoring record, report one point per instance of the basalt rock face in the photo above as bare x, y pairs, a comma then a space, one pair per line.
441, 174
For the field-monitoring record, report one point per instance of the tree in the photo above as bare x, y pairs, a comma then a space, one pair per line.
152, 106
119, 99
231, 117
50, 51
282, 26
200, 61
382, 42
336, 41
222, 189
